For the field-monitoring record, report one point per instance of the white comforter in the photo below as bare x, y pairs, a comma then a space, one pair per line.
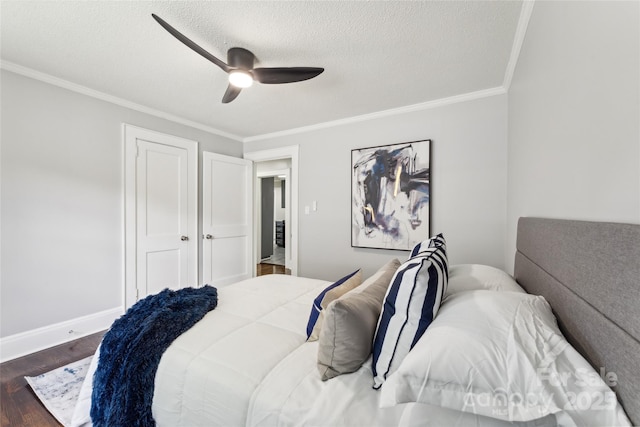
208, 375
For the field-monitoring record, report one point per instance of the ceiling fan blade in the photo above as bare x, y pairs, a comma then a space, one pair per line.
184, 39
231, 94
285, 74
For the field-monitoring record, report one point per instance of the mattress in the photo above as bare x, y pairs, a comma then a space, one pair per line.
248, 363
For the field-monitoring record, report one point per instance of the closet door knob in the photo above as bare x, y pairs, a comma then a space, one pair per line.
208, 237
184, 238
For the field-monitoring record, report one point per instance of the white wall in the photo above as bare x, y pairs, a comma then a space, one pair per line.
574, 117
62, 201
469, 155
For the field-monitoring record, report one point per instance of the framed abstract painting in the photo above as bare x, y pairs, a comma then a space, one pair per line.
390, 195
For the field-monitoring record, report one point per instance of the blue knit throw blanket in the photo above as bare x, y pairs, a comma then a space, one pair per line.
131, 350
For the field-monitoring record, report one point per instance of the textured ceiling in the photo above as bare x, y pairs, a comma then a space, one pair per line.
377, 55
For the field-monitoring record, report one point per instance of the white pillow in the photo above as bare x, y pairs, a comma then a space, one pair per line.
473, 277
501, 355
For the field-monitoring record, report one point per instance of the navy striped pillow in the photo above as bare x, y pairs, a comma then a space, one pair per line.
411, 303
317, 306
429, 243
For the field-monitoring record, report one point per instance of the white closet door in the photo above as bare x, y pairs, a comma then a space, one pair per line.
227, 219
161, 213
163, 221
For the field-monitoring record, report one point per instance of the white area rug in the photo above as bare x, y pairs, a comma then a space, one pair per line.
58, 390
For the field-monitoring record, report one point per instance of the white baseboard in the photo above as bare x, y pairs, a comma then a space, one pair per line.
28, 342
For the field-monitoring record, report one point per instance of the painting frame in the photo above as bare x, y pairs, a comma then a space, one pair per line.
391, 195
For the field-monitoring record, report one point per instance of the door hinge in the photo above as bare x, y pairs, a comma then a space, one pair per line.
137, 294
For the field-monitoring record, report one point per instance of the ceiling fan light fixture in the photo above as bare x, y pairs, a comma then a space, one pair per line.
240, 78
240, 66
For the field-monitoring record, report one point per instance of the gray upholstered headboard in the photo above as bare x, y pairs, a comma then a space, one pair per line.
589, 272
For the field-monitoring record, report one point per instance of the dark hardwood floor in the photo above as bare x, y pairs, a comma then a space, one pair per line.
20, 406
263, 269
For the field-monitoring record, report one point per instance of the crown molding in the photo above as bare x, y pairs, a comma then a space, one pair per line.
385, 113
37, 75
65, 84
518, 40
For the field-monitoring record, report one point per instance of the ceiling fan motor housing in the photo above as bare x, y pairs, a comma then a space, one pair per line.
238, 57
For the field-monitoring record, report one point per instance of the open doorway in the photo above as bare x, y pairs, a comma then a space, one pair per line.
281, 164
274, 216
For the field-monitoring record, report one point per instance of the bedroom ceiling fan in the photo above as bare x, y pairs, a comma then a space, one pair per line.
239, 66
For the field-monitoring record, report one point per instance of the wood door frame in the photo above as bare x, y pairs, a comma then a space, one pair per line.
290, 153
130, 134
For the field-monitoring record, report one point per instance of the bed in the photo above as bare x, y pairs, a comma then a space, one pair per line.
488, 353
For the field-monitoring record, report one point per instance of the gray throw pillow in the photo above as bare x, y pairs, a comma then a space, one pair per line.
346, 337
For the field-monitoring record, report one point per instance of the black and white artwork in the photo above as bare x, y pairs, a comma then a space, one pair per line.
390, 195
